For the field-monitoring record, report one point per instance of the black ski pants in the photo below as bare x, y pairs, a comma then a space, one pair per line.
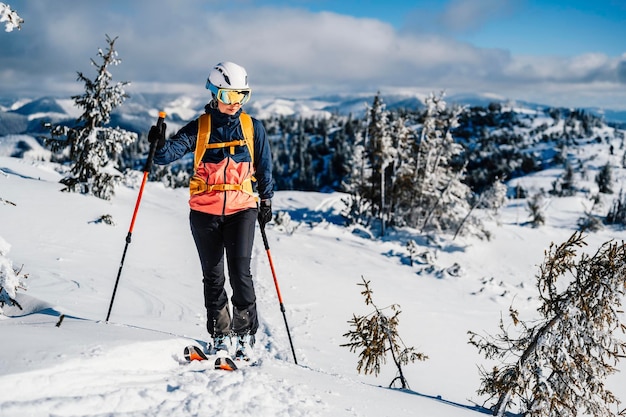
234, 235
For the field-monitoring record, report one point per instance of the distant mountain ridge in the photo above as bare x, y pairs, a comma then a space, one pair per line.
20, 116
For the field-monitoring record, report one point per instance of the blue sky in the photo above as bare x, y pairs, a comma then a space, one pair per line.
542, 27
564, 53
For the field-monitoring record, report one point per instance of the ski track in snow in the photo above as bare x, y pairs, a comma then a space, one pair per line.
149, 380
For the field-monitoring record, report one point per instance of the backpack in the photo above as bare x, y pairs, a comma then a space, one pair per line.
196, 185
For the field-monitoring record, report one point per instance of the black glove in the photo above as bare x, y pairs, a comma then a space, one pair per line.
157, 135
265, 213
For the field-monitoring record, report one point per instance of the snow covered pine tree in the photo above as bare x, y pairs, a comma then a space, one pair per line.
10, 18
10, 280
93, 146
565, 356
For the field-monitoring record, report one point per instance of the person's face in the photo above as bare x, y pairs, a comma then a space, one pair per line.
229, 109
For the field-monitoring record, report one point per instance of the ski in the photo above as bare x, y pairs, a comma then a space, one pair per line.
194, 353
225, 364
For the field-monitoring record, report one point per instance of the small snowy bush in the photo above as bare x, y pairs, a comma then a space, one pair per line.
376, 335
10, 280
284, 223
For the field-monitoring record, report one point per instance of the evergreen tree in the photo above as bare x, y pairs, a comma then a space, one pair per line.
358, 207
91, 146
565, 356
281, 161
604, 179
341, 159
564, 186
617, 212
10, 279
301, 170
535, 206
412, 182
403, 172
494, 197
441, 198
590, 221
380, 153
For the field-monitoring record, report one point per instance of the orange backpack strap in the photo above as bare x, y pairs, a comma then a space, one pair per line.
196, 185
204, 132
248, 133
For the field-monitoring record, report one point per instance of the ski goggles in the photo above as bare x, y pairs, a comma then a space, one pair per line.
229, 96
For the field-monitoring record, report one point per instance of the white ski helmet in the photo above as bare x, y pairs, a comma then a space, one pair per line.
228, 75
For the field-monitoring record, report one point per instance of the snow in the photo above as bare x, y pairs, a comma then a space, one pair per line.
264, 108
10, 18
70, 108
24, 144
133, 365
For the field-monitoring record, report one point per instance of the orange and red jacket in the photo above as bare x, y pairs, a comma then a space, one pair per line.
223, 165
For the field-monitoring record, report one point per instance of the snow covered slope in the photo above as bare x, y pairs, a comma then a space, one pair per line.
133, 365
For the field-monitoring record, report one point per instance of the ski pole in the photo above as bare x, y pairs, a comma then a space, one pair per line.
146, 172
280, 298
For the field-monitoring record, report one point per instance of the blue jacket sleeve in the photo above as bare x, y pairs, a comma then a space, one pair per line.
262, 162
183, 142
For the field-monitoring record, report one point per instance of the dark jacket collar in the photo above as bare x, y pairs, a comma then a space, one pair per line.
219, 118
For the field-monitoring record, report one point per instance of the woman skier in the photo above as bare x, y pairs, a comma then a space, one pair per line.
231, 150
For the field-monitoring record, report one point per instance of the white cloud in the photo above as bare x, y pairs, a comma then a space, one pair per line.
582, 69
285, 49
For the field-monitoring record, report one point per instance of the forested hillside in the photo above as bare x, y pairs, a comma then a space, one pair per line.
444, 158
